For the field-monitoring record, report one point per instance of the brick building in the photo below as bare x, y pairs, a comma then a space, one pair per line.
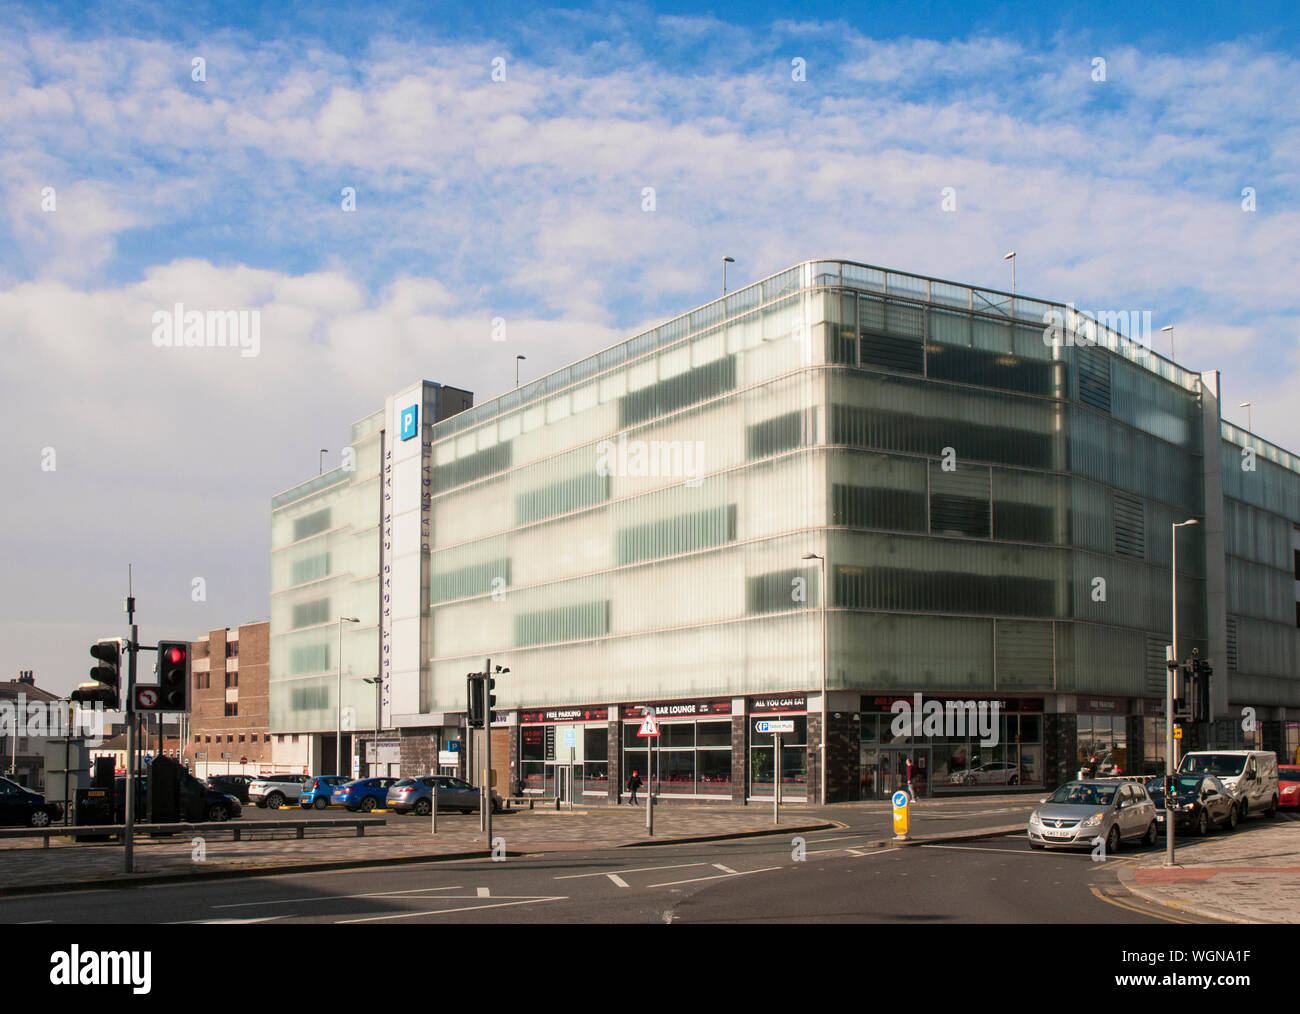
230, 706
20, 757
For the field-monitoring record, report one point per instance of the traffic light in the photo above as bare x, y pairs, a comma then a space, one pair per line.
107, 686
474, 694
491, 697
173, 676
1200, 691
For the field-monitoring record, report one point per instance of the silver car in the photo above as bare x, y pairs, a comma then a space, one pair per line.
1081, 813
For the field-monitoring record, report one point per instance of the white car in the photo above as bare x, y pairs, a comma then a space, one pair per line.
992, 773
1250, 775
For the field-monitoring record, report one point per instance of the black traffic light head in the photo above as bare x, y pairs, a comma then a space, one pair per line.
107, 688
173, 676
491, 697
474, 700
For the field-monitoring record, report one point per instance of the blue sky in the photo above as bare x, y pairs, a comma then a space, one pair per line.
523, 198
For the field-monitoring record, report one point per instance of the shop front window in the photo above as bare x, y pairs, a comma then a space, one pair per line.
690, 758
794, 763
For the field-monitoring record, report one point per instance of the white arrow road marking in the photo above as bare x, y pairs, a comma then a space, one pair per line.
724, 869
720, 876
617, 879
340, 897
642, 869
451, 911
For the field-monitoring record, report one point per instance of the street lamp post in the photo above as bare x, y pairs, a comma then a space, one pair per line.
725, 262
338, 700
1169, 693
518, 359
825, 599
1170, 329
1246, 406
377, 681
1012, 258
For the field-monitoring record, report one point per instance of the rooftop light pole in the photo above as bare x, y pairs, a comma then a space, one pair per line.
1169, 696
1012, 258
725, 262
517, 361
1246, 406
320, 461
1170, 329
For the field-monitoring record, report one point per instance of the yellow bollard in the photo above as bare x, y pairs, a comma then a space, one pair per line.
902, 814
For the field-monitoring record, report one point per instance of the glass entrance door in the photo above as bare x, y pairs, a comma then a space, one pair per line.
563, 776
891, 771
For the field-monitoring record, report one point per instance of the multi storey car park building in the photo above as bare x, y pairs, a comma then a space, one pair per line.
988, 484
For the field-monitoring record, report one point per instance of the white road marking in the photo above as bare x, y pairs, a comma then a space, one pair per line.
1005, 852
720, 876
35, 922
450, 911
724, 869
483, 892
617, 879
226, 922
642, 869
340, 897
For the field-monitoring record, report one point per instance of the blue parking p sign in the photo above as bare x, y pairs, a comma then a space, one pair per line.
410, 421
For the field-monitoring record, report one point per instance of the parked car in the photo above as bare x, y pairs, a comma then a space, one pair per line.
364, 794
1199, 801
198, 801
990, 773
231, 785
1080, 813
1288, 785
453, 794
274, 791
316, 792
1250, 775
21, 806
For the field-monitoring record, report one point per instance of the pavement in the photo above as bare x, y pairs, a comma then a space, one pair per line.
26, 866
1251, 875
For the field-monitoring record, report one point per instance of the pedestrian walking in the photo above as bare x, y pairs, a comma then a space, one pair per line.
633, 784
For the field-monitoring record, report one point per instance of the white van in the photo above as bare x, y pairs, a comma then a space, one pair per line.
1250, 775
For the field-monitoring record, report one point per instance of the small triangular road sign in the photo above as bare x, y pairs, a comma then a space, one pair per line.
648, 727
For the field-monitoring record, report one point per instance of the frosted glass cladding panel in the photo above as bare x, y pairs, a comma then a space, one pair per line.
767, 655
923, 653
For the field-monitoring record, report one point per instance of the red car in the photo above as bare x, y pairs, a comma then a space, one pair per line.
1288, 785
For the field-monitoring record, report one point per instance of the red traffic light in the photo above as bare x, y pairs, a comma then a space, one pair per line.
174, 654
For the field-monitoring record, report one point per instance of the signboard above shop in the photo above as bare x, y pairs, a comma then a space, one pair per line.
682, 709
582, 714
778, 703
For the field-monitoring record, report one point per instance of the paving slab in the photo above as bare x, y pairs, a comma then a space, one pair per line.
1251, 875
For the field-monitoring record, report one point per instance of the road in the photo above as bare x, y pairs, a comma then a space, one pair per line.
827, 876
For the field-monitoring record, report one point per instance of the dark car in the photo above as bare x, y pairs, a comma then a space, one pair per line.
25, 808
198, 801
231, 785
1199, 801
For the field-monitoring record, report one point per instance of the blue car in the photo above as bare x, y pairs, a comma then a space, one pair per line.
316, 791
364, 794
